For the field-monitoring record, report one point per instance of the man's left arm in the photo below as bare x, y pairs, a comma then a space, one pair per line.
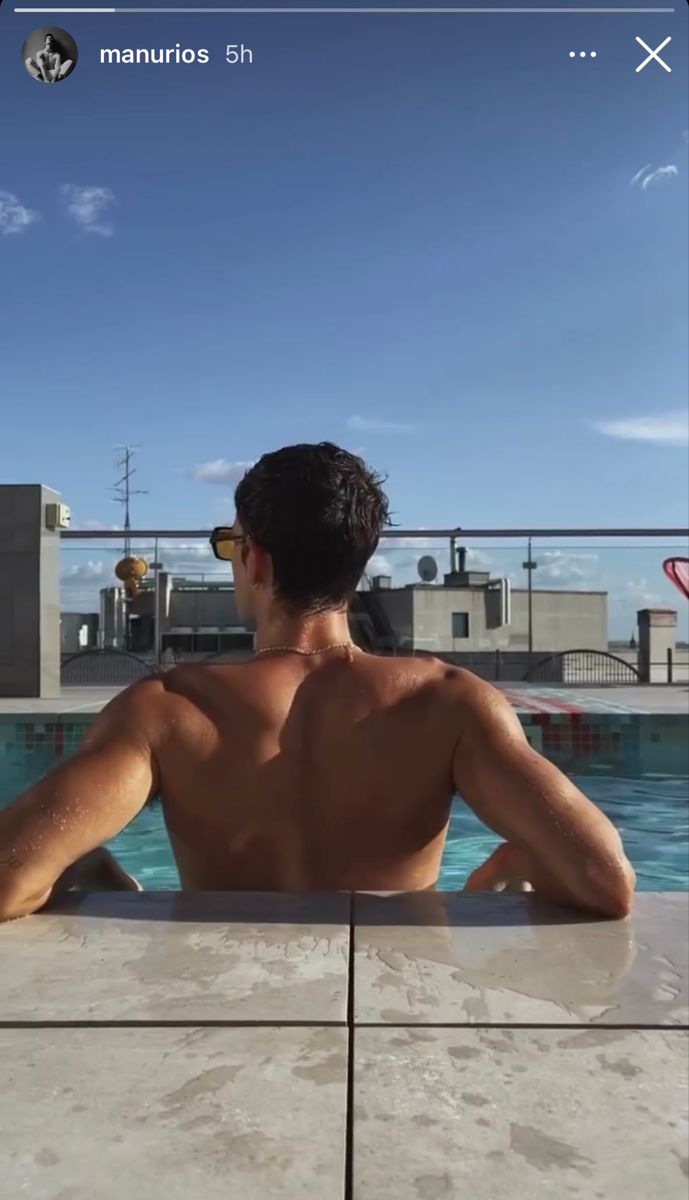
80, 804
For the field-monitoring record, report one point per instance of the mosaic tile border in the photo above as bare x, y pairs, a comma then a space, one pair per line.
625, 744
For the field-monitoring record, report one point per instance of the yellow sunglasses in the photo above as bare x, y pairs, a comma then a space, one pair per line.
223, 542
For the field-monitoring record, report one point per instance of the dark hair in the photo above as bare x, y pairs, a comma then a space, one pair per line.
319, 512
57, 46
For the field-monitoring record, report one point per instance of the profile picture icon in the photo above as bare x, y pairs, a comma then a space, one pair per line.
49, 54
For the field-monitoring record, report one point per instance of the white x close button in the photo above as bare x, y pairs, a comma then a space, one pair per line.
653, 55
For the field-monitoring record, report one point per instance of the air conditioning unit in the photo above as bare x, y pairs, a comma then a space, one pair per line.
57, 516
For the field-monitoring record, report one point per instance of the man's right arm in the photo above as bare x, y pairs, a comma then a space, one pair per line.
563, 844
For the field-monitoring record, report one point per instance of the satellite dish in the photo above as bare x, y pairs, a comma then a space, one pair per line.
427, 568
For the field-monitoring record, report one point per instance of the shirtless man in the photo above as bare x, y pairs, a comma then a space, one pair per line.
314, 765
48, 64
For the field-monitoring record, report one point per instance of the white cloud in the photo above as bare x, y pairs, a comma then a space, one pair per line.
639, 175
379, 565
641, 592
191, 560
399, 558
80, 582
566, 568
219, 470
660, 173
374, 425
685, 137
89, 207
87, 572
646, 177
92, 523
176, 555
666, 429
14, 216
414, 543
478, 560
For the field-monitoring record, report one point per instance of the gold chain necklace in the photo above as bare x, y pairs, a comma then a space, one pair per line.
348, 646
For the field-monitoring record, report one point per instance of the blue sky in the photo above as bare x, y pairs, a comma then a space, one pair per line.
437, 239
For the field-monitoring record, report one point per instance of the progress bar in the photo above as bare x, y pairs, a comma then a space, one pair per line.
378, 11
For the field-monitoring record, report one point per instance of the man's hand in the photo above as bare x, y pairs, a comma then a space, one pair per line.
503, 871
97, 871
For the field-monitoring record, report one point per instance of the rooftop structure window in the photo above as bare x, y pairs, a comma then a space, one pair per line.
460, 625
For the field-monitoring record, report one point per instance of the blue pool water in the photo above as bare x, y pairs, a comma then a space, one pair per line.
650, 811
633, 766
652, 815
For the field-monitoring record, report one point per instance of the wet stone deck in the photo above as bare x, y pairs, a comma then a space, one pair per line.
414, 1047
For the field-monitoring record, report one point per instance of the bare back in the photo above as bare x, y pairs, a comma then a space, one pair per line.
293, 773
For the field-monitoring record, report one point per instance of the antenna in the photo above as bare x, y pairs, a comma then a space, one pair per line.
427, 568
124, 492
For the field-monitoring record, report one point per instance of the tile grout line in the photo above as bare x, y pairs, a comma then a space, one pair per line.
172, 1023
349, 1092
580, 1026
349, 1023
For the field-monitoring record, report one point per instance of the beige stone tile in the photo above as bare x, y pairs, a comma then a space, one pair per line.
438, 958
488, 1114
172, 1114
168, 957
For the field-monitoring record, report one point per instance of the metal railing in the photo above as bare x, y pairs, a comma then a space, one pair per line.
103, 668
457, 532
574, 587
119, 668
594, 667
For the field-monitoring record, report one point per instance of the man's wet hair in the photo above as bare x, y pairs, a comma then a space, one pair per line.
319, 512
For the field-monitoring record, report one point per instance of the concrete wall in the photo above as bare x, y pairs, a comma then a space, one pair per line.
194, 609
657, 635
49, 601
29, 593
433, 609
189, 608
561, 620
422, 617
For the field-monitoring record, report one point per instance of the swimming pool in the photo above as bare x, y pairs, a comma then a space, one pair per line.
652, 816
606, 760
